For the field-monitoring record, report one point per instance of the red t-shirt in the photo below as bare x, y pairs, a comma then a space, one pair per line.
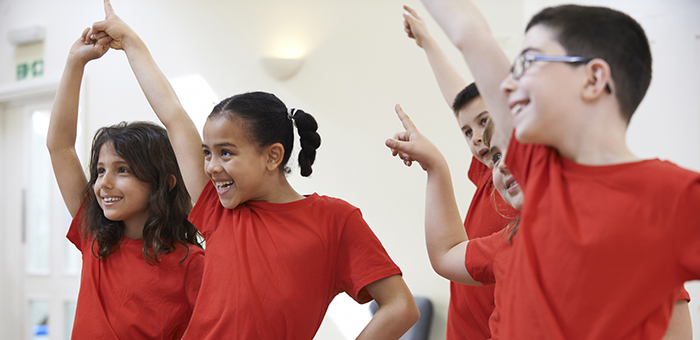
124, 297
272, 269
486, 258
601, 250
471, 306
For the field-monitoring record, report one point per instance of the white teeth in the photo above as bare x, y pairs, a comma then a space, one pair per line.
516, 109
111, 199
222, 185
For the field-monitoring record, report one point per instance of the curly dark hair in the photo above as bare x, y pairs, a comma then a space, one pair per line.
147, 150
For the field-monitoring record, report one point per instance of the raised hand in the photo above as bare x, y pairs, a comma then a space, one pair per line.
414, 26
86, 49
411, 146
113, 27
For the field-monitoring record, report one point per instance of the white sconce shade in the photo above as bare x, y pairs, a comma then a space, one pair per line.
282, 68
26, 35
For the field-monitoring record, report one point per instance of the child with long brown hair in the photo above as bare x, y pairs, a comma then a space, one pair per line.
142, 261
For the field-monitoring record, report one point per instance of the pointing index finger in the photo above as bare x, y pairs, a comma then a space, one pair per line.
109, 11
407, 123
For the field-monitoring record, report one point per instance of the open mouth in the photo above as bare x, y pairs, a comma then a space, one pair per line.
484, 153
517, 107
223, 186
111, 199
511, 185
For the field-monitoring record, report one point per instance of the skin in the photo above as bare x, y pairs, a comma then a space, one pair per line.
240, 170
594, 133
472, 117
472, 120
260, 177
503, 180
575, 116
120, 194
445, 237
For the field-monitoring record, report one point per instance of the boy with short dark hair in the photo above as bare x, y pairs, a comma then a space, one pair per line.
470, 306
606, 239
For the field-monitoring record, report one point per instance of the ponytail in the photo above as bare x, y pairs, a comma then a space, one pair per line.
267, 121
310, 140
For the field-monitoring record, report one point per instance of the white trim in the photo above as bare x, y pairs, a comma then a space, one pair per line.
28, 89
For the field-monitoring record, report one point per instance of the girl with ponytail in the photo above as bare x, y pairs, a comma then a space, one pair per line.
275, 258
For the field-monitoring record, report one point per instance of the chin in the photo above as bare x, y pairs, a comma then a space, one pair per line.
228, 203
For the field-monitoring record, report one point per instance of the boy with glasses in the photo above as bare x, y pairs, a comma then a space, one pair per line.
606, 240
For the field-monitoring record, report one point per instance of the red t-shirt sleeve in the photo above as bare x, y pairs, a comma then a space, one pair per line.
74, 231
207, 211
480, 256
477, 171
687, 231
361, 259
683, 294
193, 277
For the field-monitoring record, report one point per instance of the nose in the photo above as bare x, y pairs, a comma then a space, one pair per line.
106, 180
212, 166
477, 137
503, 168
508, 84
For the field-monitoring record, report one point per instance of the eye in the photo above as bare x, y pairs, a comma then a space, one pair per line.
225, 153
484, 121
496, 157
124, 170
207, 153
100, 171
468, 133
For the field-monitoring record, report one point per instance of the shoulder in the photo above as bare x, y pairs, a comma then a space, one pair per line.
666, 176
335, 204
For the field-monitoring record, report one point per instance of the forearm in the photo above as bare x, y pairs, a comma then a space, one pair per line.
469, 32
397, 311
448, 79
61, 136
155, 85
182, 132
64, 113
445, 236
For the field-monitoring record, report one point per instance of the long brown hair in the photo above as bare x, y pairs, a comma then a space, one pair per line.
147, 150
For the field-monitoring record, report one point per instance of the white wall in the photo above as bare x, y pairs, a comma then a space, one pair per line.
358, 65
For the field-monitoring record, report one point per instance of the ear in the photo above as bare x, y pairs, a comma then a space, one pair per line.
274, 156
598, 81
172, 181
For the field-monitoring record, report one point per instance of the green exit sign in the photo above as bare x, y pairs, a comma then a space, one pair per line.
30, 69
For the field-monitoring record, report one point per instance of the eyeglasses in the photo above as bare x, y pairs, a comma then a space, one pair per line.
523, 61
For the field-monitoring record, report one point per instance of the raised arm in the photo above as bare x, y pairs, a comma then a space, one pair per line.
449, 81
470, 33
60, 139
181, 130
445, 237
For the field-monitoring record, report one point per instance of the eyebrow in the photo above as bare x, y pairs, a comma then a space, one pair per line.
530, 49
481, 114
465, 126
221, 145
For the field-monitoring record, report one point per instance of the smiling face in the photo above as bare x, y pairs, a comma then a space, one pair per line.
545, 99
503, 180
235, 165
472, 119
119, 193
